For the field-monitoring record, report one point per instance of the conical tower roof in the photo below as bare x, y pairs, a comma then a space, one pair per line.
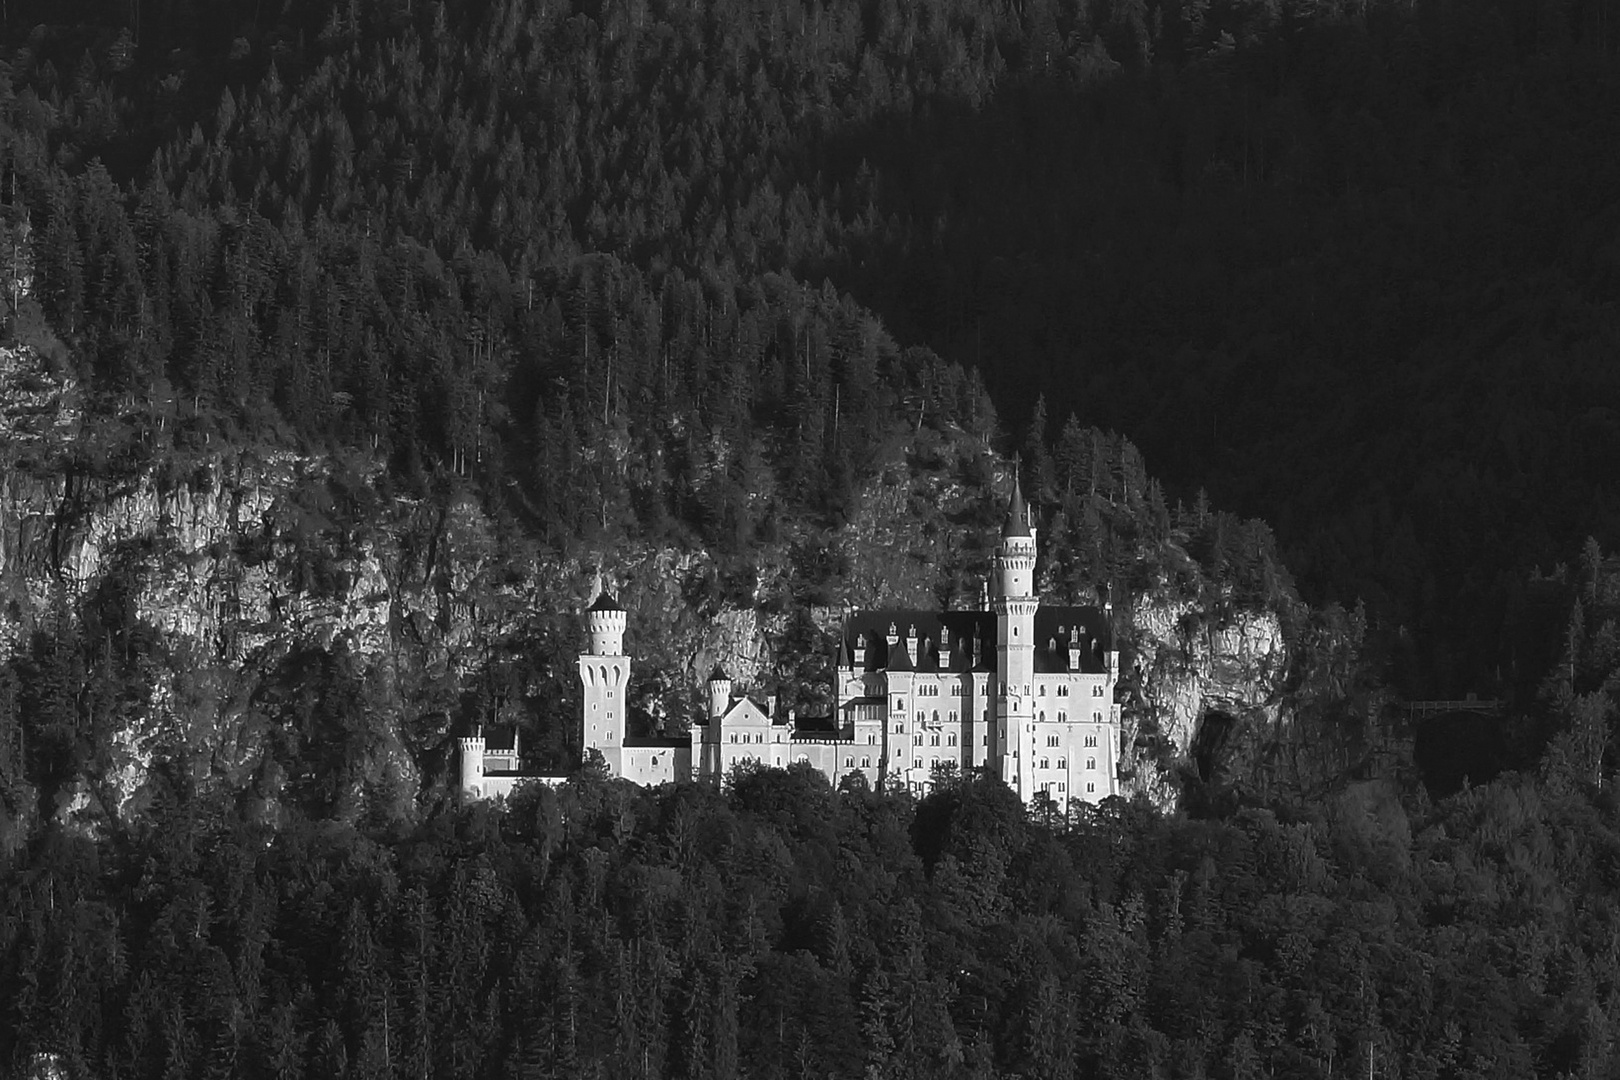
1017, 511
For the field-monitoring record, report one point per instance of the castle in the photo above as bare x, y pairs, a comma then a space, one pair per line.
1020, 687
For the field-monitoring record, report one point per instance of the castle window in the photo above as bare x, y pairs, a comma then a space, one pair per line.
866, 763
1061, 763
1096, 690
1091, 763
849, 763
899, 704
953, 716
1043, 716
1062, 786
1091, 787
984, 740
950, 740
1063, 690
916, 740
934, 741
871, 739
1063, 718
1096, 718
733, 736
1046, 763
1091, 740
898, 728
1040, 690
920, 716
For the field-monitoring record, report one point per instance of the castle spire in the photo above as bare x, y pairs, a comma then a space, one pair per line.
1017, 511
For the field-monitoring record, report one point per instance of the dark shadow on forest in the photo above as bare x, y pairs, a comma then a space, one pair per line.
1452, 750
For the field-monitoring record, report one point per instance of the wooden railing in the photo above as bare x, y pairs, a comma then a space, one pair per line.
1420, 709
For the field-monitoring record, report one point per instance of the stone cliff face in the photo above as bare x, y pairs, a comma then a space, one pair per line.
1198, 682
310, 636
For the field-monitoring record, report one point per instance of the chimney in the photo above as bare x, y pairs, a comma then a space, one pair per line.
945, 651
859, 652
1074, 648
911, 645
893, 636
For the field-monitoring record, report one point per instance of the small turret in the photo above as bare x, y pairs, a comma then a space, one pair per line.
719, 693
858, 661
605, 623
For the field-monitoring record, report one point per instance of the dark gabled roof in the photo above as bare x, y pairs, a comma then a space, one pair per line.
1017, 512
669, 741
605, 602
815, 725
1054, 626
719, 674
500, 738
1089, 629
957, 629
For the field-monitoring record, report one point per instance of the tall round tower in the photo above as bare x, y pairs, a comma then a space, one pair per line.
471, 748
1015, 605
604, 676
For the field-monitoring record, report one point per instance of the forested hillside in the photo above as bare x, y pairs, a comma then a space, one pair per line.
1342, 264
563, 266
345, 341
781, 930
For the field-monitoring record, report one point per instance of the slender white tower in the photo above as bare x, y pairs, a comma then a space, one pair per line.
1015, 604
471, 748
604, 673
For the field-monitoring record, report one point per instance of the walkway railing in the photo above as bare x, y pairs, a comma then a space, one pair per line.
1418, 710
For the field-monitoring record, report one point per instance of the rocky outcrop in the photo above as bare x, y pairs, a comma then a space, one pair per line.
1197, 680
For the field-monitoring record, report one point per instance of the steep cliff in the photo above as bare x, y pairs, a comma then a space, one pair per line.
294, 630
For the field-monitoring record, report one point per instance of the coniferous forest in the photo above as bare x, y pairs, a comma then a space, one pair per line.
689, 274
